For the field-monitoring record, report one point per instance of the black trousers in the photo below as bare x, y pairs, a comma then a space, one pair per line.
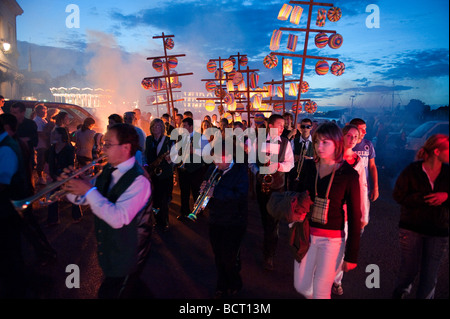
226, 242
162, 193
270, 225
128, 287
190, 183
12, 265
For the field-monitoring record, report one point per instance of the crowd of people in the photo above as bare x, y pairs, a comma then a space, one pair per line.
334, 165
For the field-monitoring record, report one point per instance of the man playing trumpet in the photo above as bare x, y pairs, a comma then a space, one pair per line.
120, 193
228, 210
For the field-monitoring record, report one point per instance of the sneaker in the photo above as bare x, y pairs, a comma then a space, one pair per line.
337, 289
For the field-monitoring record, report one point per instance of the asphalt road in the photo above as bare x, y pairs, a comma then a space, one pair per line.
181, 264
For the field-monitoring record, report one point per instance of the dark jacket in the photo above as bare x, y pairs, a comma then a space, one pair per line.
229, 204
416, 215
58, 161
344, 189
151, 146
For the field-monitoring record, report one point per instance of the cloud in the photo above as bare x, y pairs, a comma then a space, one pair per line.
417, 65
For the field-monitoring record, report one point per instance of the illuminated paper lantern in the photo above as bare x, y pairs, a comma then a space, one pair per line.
271, 91
157, 65
270, 61
335, 41
257, 99
275, 40
322, 67
228, 116
219, 75
173, 62
158, 84
337, 68
294, 107
232, 106
169, 43
228, 65
259, 118
230, 86
296, 14
292, 42
147, 84
210, 105
210, 86
211, 66
278, 106
305, 87
254, 77
229, 99
240, 107
293, 90
321, 40
334, 14
310, 107
241, 86
243, 60
238, 78
284, 12
321, 17
287, 67
280, 92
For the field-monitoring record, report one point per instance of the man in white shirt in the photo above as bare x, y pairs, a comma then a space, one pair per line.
278, 148
120, 194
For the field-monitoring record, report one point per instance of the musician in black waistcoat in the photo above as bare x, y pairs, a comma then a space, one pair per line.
278, 147
160, 169
120, 194
191, 170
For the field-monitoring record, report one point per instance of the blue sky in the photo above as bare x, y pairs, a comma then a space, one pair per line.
408, 54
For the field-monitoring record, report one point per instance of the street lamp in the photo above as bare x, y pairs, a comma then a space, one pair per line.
5, 47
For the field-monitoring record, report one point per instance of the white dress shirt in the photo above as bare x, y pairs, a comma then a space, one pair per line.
273, 147
126, 207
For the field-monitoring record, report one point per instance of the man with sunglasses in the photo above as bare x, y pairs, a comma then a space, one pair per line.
301, 144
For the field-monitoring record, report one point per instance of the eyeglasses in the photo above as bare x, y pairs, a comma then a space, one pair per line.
305, 126
107, 145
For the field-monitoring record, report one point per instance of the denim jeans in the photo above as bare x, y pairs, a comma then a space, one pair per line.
419, 252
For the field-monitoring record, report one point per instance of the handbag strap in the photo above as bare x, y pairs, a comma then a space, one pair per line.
329, 183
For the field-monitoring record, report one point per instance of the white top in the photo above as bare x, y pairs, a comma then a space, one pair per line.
128, 204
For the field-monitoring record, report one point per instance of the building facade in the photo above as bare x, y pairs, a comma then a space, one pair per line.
10, 77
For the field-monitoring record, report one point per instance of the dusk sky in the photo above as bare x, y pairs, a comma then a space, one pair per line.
407, 54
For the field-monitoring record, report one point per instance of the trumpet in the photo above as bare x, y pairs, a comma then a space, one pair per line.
203, 199
22, 204
300, 161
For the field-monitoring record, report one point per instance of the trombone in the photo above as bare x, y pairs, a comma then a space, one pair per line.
22, 204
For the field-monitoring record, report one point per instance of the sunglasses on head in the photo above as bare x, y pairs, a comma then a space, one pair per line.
305, 126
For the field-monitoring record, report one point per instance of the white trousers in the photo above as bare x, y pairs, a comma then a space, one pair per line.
314, 275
